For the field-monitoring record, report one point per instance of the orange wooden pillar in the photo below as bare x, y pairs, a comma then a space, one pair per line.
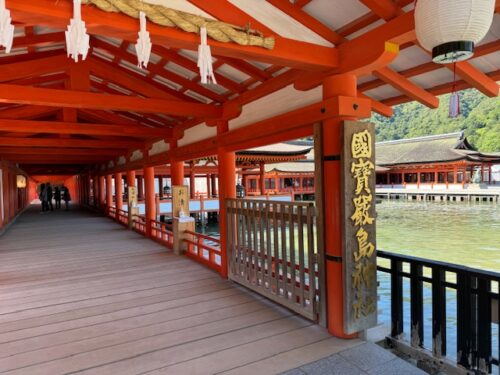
149, 189
177, 173
102, 192
339, 85
192, 181
131, 180
118, 194
227, 189
109, 192
262, 178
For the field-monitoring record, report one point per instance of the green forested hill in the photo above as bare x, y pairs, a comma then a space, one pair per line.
480, 119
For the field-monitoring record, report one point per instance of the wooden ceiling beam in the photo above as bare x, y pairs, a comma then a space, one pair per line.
37, 40
385, 9
57, 127
68, 143
287, 52
440, 89
184, 82
407, 87
481, 50
76, 99
34, 68
60, 151
28, 112
474, 77
307, 20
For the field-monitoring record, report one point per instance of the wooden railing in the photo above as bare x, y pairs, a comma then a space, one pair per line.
111, 212
204, 249
139, 224
272, 250
162, 233
122, 217
473, 294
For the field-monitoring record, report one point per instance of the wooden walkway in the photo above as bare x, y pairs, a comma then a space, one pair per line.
80, 294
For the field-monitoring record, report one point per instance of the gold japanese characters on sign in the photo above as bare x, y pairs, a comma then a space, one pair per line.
180, 201
360, 268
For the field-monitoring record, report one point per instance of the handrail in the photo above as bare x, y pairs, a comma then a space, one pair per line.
200, 251
162, 233
477, 295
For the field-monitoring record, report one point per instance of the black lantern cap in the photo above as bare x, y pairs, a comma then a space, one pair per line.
453, 52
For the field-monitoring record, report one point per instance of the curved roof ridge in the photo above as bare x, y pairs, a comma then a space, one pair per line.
458, 135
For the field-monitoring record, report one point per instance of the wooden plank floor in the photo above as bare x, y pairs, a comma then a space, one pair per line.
80, 294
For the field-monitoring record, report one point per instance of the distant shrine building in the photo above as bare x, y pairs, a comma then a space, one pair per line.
447, 160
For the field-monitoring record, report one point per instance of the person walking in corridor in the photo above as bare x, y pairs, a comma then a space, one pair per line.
66, 196
57, 197
50, 195
42, 194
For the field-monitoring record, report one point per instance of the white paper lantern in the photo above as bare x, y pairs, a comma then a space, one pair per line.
451, 28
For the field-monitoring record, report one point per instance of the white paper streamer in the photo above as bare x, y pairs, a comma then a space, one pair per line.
144, 45
77, 39
205, 59
6, 28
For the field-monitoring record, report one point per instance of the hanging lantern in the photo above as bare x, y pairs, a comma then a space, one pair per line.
143, 46
21, 181
77, 39
451, 28
6, 28
205, 59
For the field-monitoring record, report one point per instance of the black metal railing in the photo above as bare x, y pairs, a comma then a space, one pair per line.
477, 308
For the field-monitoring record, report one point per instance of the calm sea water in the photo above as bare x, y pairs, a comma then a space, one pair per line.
455, 232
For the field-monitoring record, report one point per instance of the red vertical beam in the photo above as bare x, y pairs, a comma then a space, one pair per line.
262, 178
160, 185
209, 185
102, 192
192, 181
140, 187
339, 85
227, 190
131, 181
109, 191
149, 187
118, 194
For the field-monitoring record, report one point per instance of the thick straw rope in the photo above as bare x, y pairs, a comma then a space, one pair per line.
220, 31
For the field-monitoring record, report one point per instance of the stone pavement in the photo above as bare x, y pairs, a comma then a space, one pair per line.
367, 358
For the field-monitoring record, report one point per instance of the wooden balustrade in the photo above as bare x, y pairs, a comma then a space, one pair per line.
204, 249
162, 233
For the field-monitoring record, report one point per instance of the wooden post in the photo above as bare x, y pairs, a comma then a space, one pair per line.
214, 185
227, 189
149, 187
332, 136
209, 186
262, 178
160, 186
192, 187
140, 187
109, 192
118, 194
177, 173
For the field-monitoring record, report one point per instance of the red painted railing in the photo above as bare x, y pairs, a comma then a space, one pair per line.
122, 217
162, 233
140, 224
204, 249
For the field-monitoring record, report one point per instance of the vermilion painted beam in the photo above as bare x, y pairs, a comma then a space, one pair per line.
32, 68
38, 40
67, 143
482, 50
28, 112
305, 19
385, 9
301, 3
379, 107
175, 78
40, 80
176, 58
474, 77
59, 151
287, 52
75, 99
407, 87
440, 89
55, 127
223, 10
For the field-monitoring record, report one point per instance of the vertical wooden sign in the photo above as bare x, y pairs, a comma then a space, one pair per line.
359, 246
180, 200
